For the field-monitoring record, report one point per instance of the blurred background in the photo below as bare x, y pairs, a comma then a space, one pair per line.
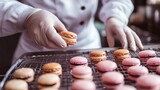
145, 21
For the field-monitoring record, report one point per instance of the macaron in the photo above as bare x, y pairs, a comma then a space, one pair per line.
153, 63
16, 84
148, 82
69, 37
97, 56
83, 85
48, 81
158, 70
78, 61
135, 72
52, 67
121, 54
112, 80
26, 74
146, 54
82, 72
106, 66
128, 62
126, 87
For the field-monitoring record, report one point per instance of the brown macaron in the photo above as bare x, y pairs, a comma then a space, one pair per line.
97, 56
26, 74
48, 81
52, 67
16, 84
69, 37
121, 54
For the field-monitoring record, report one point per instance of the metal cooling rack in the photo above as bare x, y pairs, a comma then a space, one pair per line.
36, 60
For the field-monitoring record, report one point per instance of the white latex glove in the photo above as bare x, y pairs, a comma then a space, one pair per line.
43, 27
128, 38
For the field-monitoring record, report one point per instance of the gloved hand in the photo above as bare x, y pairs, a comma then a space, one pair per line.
43, 27
128, 38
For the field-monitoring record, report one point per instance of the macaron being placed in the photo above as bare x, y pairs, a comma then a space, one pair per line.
26, 74
78, 61
48, 81
135, 72
97, 56
126, 87
128, 62
69, 37
52, 67
146, 54
83, 85
82, 72
112, 80
106, 66
148, 82
16, 84
121, 54
153, 63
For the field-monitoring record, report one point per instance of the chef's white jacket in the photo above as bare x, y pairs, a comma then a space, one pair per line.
77, 15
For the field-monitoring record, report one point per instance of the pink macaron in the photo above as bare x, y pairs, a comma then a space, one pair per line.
78, 60
83, 85
112, 80
128, 62
153, 63
82, 72
146, 54
106, 66
135, 72
148, 82
126, 87
158, 70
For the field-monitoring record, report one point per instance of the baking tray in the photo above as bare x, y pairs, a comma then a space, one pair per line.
36, 60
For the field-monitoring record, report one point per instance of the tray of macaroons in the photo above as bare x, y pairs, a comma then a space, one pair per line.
97, 69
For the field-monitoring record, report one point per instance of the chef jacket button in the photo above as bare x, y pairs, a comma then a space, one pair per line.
81, 23
83, 7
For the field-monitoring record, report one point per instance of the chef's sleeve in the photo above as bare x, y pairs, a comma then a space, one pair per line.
120, 9
12, 16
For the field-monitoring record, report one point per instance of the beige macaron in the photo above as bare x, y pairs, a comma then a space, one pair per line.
52, 67
97, 56
16, 84
48, 81
26, 74
69, 37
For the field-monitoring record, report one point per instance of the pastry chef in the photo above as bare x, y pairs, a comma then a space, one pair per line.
39, 21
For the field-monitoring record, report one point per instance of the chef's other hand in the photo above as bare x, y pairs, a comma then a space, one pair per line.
127, 37
43, 27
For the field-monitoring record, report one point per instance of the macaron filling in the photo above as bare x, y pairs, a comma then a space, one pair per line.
134, 76
72, 39
77, 64
82, 76
24, 78
98, 57
112, 84
48, 85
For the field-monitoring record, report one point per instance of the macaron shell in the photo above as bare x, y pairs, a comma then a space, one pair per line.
153, 62
48, 79
26, 73
126, 87
158, 70
106, 65
137, 70
131, 61
16, 84
148, 80
83, 72
97, 56
110, 77
78, 60
69, 37
146, 54
52, 67
83, 85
